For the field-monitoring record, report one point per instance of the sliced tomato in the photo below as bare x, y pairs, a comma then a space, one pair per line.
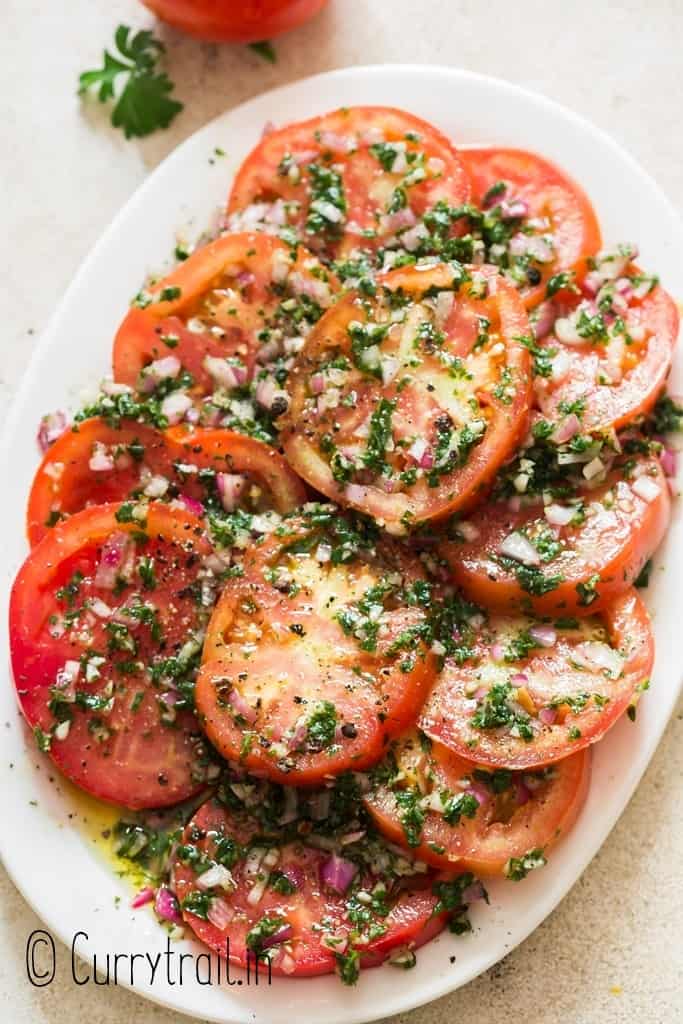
305, 670
404, 406
587, 549
533, 693
246, 22
544, 219
234, 308
95, 462
348, 180
610, 348
267, 479
105, 628
303, 927
450, 813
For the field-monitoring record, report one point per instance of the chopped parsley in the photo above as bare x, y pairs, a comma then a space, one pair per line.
495, 711
518, 868
379, 435
328, 205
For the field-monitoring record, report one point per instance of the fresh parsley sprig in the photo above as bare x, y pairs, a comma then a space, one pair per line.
144, 104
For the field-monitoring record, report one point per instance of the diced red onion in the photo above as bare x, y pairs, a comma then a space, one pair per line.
520, 548
520, 679
266, 389
668, 460
543, 635
411, 238
544, 320
540, 249
166, 368
417, 449
522, 792
175, 405
594, 654
220, 371
220, 913
244, 279
646, 488
559, 515
355, 494
216, 876
143, 897
335, 141
513, 209
480, 792
337, 873
267, 353
389, 367
100, 461
497, 652
166, 906
518, 244
473, 892
282, 935
114, 388
117, 552
317, 384
192, 505
230, 487
566, 429
404, 218
560, 366
548, 715
592, 283
565, 330
287, 963
435, 165
52, 426
304, 156
241, 706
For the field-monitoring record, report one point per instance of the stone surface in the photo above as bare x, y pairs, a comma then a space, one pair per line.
611, 953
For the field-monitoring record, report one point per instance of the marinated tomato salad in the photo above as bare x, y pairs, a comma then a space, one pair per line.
336, 581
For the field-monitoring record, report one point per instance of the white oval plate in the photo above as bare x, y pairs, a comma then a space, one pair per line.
52, 863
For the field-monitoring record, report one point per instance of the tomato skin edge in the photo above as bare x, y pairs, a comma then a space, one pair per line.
616, 575
489, 866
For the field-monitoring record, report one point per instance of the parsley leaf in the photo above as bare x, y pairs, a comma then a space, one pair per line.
144, 103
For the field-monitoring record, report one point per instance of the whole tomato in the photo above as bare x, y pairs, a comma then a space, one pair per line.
235, 21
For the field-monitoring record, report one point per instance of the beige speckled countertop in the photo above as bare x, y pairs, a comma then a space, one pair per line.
612, 953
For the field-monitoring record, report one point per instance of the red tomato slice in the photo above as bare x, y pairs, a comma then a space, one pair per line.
348, 180
231, 310
96, 612
557, 226
404, 406
572, 686
301, 680
611, 348
271, 483
246, 22
474, 819
95, 463
594, 546
302, 928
